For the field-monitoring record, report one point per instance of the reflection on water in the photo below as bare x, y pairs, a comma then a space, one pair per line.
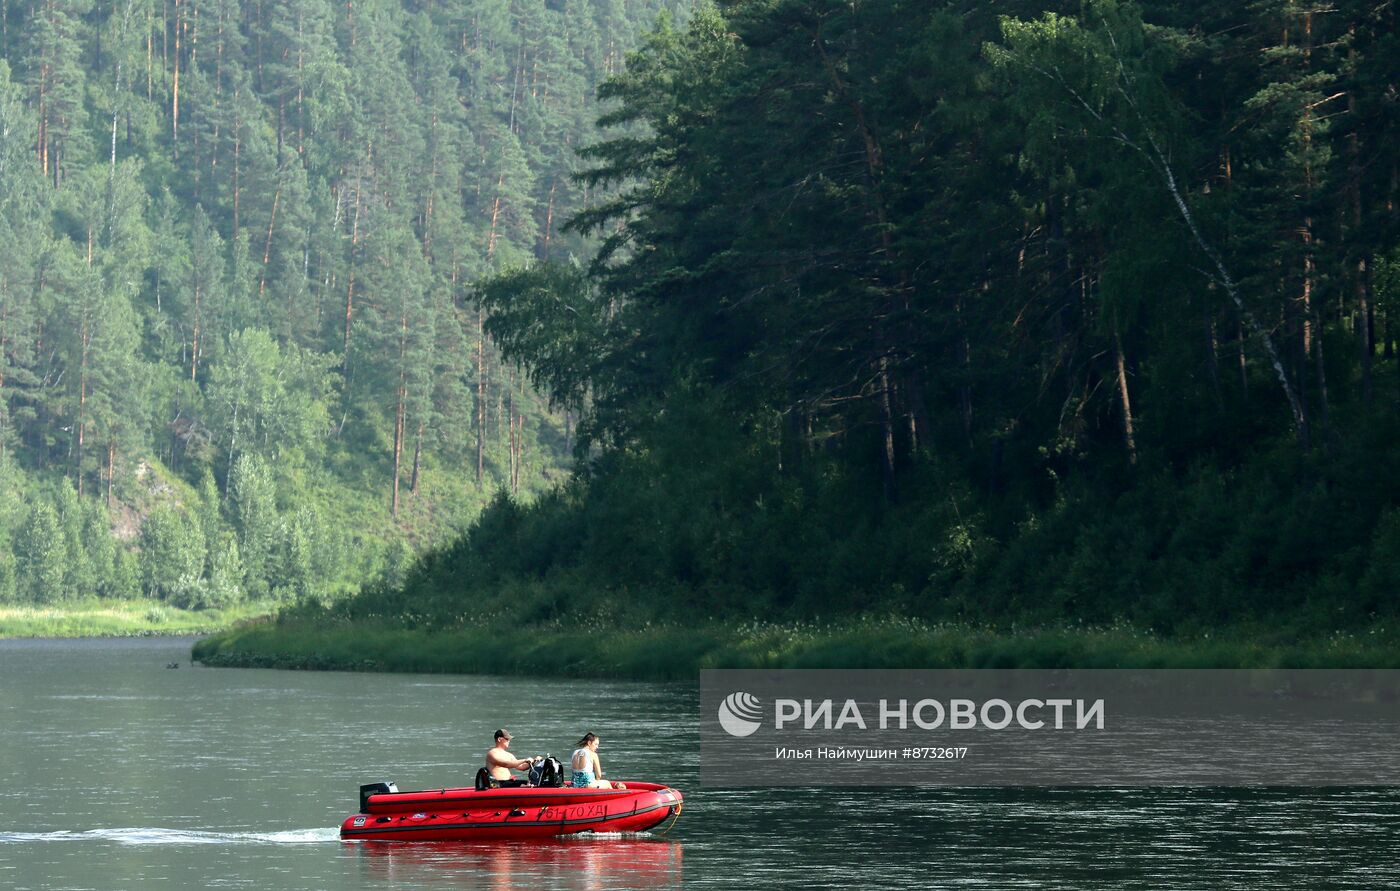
576, 864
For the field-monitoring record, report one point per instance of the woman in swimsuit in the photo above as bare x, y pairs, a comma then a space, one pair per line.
587, 769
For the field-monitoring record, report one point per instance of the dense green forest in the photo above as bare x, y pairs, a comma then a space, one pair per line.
1001, 313
239, 358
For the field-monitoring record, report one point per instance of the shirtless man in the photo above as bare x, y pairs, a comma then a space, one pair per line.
500, 761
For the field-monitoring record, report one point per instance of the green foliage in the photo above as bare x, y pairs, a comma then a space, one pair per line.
172, 556
553, 317
124, 618
42, 555
259, 244
298, 573
976, 316
253, 503
80, 575
9, 580
676, 652
971, 314
224, 585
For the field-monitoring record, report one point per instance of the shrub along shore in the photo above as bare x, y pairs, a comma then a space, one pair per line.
679, 652
121, 618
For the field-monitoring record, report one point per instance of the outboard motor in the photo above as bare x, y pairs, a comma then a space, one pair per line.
374, 789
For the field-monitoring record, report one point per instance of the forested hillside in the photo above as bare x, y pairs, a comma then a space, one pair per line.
1015, 312
238, 238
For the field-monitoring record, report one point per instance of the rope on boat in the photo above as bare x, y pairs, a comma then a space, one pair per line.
677, 816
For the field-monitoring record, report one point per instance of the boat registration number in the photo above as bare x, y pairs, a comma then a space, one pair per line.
585, 812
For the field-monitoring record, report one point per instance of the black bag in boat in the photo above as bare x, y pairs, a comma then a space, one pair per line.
547, 772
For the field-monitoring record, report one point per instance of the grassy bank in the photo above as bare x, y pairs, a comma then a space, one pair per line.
667, 652
121, 618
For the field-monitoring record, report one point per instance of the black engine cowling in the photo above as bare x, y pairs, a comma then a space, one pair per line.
374, 789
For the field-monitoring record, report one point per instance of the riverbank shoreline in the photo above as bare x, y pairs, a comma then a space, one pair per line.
675, 652
121, 618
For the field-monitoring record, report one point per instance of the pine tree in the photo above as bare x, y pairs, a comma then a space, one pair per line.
21, 202
57, 82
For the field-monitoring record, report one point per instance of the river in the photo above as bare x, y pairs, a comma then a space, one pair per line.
120, 772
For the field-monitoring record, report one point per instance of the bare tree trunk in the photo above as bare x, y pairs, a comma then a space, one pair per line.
42, 146
520, 449
267, 245
194, 342
1213, 356
398, 450
232, 448
417, 455
1307, 287
1323, 402
301, 88
549, 218
350, 288
480, 398
510, 427
887, 427
85, 338
402, 398
1366, 327
495, 216
1288, 323
237, 152
874, 165
1127, 404
1312, 327
515, 92
116, 111
1161, 166
175, 85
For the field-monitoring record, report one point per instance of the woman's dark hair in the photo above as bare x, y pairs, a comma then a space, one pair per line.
587, 738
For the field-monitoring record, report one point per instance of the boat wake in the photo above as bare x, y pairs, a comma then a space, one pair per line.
586, 837
154, 836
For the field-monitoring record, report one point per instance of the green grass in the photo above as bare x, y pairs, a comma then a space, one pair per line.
119, 618
663, 652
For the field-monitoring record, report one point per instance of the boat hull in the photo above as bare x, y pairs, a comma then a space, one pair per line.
519, 813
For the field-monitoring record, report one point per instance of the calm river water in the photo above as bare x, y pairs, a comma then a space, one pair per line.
117, 772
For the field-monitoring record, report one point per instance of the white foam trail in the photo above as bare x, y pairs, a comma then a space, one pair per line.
584, 837
156, 836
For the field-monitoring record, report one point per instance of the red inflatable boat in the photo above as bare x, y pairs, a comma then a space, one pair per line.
509, 813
